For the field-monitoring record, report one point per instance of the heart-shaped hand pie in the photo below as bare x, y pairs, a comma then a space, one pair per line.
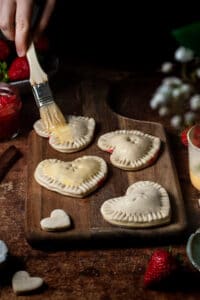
130, 149
76, 178
72, 137
22, 282
3, 252
58, 221
145, 204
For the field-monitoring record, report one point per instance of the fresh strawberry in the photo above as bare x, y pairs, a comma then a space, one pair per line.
19, 69
161, 266
42, 44
196, 136
4, 50
184, 139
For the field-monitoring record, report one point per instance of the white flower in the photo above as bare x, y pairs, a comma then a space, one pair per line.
163, 111
195, 102
189, 117
166, 67
163, 94
165, 90
176, 93
183, 54
153, 104
176, 121
172, 81
186, 90
158, 100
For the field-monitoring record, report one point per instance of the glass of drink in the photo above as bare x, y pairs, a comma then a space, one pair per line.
193, 137
10, 108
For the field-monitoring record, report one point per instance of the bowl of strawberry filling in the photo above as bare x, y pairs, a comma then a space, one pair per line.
10, 107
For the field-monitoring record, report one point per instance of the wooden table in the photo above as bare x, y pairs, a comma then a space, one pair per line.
101, 272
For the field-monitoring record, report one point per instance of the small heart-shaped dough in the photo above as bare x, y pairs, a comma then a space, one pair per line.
3, 252
22, 282
58, 220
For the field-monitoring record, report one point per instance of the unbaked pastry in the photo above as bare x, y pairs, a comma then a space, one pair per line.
22, 282
76, 178
145, 204
59, 220
74, 136
130, 149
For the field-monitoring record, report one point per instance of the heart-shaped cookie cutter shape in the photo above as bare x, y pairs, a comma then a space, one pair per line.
23, 283
59, 220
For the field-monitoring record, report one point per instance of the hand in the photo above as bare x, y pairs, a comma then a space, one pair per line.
16, 18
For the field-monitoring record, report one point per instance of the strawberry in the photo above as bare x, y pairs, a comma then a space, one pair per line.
42, 44
161, 267
4, 50
183, 136
196, 136
19, 69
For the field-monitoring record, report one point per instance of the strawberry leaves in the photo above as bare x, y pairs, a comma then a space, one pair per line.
3, 71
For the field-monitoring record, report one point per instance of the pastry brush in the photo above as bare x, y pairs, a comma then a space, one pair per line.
50, 113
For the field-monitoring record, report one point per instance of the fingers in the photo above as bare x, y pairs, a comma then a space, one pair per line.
7, 18
23, 17
48, 9
15, 21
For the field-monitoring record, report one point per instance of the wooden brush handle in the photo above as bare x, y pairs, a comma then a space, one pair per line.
7, 159
37, 75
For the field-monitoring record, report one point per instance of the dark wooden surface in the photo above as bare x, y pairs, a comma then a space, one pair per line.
97, 272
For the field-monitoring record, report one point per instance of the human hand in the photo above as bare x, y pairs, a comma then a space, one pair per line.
16, 20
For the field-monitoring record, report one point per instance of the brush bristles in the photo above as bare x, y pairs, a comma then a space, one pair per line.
51, 116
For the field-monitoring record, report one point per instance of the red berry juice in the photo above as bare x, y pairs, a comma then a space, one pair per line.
10, 107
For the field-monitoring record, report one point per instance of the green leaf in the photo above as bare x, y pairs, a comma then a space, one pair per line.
3, 72
189, 36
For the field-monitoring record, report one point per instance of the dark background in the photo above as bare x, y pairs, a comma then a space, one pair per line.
122, 34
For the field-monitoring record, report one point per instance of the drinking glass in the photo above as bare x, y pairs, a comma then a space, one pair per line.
193, 137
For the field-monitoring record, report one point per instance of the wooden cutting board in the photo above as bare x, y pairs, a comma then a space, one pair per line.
88, 225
